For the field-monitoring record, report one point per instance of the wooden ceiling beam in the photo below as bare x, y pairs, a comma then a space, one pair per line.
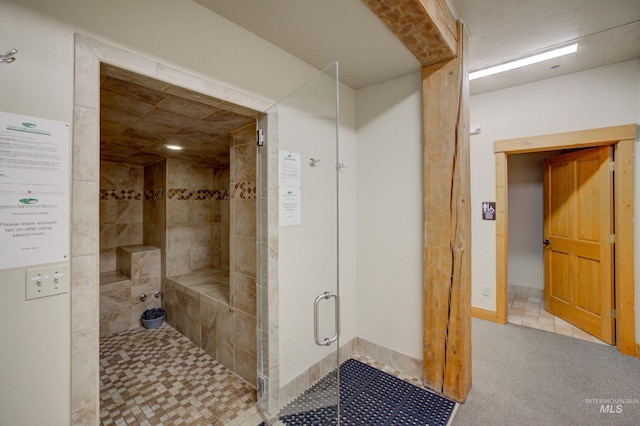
426, 27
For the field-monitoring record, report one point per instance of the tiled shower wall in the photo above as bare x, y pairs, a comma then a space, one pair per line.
186, 211
243, 245
189, 217
154, 207
121, 193
221, 218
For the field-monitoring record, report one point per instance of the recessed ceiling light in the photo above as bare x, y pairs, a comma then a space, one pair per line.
174, 147
524, 61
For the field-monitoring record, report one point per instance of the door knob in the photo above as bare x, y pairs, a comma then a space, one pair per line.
546, 242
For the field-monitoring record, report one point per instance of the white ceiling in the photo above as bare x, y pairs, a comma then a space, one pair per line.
323, 31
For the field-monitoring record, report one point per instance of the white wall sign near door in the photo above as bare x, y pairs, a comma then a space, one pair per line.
33, 230
34, 154
34, 191
290, 171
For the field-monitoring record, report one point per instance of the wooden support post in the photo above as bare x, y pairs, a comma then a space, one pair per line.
447, 232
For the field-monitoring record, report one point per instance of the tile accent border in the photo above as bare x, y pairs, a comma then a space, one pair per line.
197, 194
244, 191
114, 194
89, 52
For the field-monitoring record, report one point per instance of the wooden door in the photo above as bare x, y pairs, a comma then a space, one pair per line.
578, 253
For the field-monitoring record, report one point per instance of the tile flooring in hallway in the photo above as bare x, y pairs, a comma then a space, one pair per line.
526, 308
158, 377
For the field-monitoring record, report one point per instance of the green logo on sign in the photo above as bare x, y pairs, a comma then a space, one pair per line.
29, 125
29, 200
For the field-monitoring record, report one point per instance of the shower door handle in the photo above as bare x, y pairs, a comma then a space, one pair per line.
316, 323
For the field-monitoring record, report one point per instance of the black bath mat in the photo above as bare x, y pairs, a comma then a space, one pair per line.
368, 397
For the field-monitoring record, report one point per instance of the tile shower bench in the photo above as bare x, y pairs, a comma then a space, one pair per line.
137, 273
197, 305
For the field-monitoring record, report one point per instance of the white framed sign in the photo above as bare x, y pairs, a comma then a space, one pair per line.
290, 192
34, 191
33, 230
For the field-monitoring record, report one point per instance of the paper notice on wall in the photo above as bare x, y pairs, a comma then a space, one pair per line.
290, 211
34, 191
290, 173
34, 154
33, 230
290, 165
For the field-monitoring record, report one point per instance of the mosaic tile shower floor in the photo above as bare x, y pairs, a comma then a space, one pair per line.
158, 377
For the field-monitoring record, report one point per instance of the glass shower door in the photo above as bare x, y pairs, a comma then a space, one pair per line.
298, 285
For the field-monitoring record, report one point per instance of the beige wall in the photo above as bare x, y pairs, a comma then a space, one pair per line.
389, 215
600, 97
389, 192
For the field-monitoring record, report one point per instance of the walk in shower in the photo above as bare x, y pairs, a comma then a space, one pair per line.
178, 215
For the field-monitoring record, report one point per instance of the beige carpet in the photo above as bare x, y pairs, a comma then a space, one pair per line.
523, 376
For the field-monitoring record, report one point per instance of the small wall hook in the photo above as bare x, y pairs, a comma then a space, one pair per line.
7, 57
143, 297
314, 161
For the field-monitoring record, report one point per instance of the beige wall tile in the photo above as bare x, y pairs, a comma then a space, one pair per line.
245, 218
84, 368
86, 154
244, 293
225, 354
86, 79
115, 297
200, 258
201, 177
129, 211
201, 211
177, 262
112, 322
84, 219
129, 234
87, 415
84, 294
245, 366
202, 235
107, 260
224, 325
244, 251
178, 212
178, 174
145, 285
145, 264
245, 332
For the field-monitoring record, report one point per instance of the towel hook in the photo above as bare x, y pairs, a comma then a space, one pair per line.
7, 57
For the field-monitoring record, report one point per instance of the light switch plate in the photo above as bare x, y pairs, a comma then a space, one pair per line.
49, 281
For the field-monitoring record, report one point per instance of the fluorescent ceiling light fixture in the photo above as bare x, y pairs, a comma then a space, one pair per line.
525, 61
174, 147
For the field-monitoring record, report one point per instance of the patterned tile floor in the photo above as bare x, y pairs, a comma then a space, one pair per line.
528, 310
158, 377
